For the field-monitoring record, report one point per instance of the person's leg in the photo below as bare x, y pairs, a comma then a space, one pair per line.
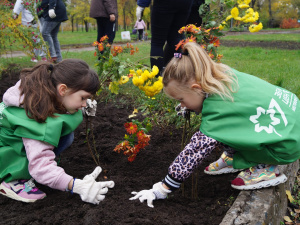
100, 28
42, 51
161, 20
110, 30
56, 43
140, 33
48, 26
64, 143
181, 15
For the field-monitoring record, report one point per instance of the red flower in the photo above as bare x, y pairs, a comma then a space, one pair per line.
130, 128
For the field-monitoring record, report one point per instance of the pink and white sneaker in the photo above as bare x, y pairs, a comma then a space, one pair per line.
34, 60
21, 190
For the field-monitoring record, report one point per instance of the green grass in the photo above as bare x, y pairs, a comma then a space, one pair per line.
264, 37
82, 37
279, 67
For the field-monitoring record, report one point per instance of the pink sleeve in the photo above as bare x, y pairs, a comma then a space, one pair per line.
12, 96
42, 166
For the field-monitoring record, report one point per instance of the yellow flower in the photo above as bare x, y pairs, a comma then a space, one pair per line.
124, 80
243, 6
139, 72
234, 12
255, 28
137, 81
228, 18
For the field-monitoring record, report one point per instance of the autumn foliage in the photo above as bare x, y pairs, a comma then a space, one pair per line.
289, 23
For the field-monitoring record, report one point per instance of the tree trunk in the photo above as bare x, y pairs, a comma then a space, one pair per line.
72, 23
86, 24
270, 15
124, 19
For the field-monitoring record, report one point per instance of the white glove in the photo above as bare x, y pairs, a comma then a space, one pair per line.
90, 190
157, 192
182, 111
91, 107
139, 12
51, 13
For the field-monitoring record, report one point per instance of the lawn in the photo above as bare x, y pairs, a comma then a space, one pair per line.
280, 67
264, 37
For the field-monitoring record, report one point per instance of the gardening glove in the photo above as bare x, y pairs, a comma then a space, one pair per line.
90, 109
90, 190
157, 192
51, 13
15, 16
182, 111
139, 12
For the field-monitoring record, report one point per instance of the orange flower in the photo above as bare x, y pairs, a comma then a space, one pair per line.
137, 49
95, 43
100, 47
95, 54
104, 38
121, 147
130, 128
131, 52
179, 45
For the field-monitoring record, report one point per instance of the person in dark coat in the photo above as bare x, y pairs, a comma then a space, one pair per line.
167, 18
106, 14
54, 13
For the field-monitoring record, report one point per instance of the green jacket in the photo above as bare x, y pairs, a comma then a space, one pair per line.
262, 123
14, 125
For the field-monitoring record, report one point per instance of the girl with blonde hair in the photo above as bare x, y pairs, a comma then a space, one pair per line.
256, 123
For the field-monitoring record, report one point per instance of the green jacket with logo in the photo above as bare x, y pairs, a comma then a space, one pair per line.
262, 123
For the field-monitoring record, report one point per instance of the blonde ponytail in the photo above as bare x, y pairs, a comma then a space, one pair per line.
195, 64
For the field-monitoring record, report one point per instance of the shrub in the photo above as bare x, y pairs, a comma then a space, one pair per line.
289, 23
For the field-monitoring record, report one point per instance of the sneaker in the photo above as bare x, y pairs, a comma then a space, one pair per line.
34, 60
255, 178
221, 166
21, 190
44, 59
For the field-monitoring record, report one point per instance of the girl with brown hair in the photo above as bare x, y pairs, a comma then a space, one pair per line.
37, 119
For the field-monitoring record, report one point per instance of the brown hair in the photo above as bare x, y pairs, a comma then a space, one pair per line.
195, 64
38, 84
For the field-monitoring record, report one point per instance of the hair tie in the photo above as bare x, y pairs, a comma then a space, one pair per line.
50, 67
179, 55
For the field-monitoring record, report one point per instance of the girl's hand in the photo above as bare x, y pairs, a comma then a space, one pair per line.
158, 191
90, 190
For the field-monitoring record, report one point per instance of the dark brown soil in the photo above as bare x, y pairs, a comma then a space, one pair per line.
214, 192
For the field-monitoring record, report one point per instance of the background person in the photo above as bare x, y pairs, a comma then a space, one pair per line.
140, 26
167, 18
38, 117
54, 13
245, 116
28, 21
106, 14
